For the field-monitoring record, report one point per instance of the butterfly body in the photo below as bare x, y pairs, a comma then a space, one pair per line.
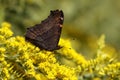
46, 34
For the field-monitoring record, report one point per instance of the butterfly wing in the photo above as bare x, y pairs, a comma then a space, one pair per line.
46, 34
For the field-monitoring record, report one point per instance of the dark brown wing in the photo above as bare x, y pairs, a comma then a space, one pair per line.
46, 34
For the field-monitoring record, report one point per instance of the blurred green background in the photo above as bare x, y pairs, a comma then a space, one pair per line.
85, 20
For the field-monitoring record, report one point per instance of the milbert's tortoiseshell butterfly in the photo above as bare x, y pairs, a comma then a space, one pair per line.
46, 34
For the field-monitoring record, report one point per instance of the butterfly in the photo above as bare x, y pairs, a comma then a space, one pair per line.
46, 35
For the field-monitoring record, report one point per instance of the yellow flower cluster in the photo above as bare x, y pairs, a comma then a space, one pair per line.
101, 67
27, 61
4, 65
22, 60
70, 53
5, 31
111, 71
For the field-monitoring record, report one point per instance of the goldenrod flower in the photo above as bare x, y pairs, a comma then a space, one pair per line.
70, 53
5, 30
22, 60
